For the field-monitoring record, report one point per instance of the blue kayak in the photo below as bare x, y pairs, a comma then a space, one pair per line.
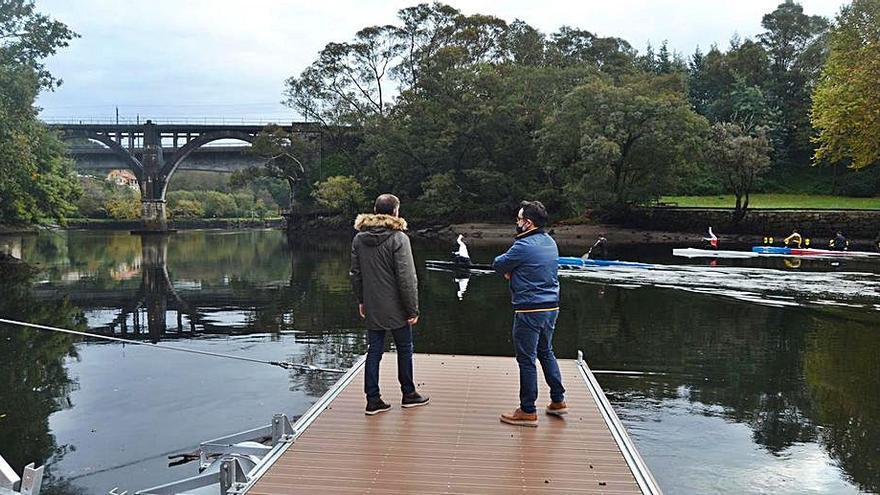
572, 261
810, 252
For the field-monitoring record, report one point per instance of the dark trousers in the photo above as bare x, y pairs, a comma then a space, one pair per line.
403, 341
533, 338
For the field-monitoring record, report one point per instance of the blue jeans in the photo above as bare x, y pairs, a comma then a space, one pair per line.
533, 338
403, 341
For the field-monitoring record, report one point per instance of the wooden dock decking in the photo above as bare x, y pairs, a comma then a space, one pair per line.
456, 444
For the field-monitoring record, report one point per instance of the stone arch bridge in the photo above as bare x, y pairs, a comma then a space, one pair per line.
153, 152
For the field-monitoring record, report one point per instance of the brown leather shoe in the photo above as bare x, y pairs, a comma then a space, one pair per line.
520, 418
557, 408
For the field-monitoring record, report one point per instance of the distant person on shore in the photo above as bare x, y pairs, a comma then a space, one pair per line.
794, 238
711, 242
383, 276
531, 265
599, 250
839, 243
462, 256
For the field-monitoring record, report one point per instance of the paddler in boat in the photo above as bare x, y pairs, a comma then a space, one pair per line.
462, 257
599, 250
839, 243
711, 241
794, 238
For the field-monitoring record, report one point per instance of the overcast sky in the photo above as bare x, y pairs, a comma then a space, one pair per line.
175, 59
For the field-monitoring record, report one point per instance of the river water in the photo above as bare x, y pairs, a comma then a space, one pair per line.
764, 372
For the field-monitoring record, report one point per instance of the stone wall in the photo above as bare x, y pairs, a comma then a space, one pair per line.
855, 224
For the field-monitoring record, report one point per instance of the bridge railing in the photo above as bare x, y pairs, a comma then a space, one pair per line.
284, 120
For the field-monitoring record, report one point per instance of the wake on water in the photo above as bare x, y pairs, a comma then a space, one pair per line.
758, 285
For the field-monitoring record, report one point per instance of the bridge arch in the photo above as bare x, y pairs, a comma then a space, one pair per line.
128, 159
173, 162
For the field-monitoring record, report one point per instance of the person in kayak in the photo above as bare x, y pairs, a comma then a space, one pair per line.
794, 238
839, 243
462, 257
599, 250
711, 242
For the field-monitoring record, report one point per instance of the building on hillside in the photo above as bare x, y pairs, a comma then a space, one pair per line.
123, 178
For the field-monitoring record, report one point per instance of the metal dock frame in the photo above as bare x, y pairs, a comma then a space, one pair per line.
29, 483
640, 471
299, 427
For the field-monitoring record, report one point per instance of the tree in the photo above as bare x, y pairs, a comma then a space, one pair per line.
571, 46
617, 146
37, 182
340, 193
123, 204
739, 159
846, 103
795, 45
287, 156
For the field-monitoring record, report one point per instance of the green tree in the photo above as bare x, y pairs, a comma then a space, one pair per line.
846, 103
739, 159
219, 205
123, 204
340, 193
37, 182
796, 47
617, 146
287, 157
186, 208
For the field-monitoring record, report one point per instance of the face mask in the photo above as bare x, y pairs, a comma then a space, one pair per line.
520, 229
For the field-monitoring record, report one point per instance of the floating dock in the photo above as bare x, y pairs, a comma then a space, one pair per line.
456, 444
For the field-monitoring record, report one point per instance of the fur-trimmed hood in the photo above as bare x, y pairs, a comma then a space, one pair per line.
366, 221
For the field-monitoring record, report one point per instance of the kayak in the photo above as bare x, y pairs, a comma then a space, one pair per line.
713, 253
809, 252
565, 262
574, 262
453, 265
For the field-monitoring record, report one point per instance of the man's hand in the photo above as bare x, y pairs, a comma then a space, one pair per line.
413, 320
361, 310
507, 276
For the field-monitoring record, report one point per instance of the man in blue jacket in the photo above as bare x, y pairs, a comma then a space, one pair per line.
531, 265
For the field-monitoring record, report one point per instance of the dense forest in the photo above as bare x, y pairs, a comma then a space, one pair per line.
464, 115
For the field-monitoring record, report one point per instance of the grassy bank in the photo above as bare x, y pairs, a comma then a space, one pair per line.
769, 201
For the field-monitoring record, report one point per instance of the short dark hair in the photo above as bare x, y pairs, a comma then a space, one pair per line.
534, 211
386, 203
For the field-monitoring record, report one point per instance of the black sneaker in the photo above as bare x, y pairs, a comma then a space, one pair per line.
414, 400
377, 406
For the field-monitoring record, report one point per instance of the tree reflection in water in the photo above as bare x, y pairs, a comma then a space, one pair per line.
33, 379
791, 375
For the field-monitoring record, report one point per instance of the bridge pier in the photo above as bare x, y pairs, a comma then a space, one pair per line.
154, 215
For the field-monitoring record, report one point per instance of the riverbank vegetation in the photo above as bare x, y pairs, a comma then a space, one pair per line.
37, 182
464, 115
771, 201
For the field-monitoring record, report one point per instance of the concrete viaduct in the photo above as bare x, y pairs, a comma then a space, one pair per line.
153, 152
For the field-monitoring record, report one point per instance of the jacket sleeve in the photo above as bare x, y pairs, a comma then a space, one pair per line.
508, 261
357, 281
405, 271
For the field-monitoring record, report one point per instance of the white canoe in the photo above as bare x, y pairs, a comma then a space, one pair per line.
712, 253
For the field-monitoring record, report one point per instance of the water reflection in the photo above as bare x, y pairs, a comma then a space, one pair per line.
35, 382
752, 396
